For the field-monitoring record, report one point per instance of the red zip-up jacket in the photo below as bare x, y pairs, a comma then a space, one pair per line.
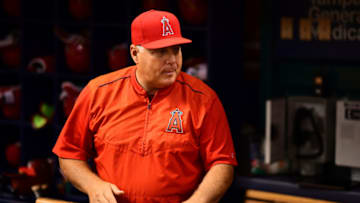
156, 151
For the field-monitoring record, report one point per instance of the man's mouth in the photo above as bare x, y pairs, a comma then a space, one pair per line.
169, 70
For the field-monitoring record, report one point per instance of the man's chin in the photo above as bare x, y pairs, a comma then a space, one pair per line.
166, 83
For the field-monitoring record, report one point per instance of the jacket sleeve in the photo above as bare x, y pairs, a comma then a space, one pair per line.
216, 144
76, 140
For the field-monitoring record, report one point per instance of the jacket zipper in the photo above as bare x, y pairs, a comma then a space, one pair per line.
148, 109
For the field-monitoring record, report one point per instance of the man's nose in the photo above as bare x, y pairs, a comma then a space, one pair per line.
171, 56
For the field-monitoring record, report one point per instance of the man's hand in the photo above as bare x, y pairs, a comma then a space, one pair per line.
104, 192
85, 180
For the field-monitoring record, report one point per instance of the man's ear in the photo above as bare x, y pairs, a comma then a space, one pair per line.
134, 52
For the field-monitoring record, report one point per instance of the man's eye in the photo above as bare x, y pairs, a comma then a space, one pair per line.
158, 51
163, 51
177, 49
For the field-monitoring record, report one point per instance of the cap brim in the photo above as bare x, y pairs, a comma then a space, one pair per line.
166, 43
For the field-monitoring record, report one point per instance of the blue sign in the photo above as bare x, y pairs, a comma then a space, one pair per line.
328, 29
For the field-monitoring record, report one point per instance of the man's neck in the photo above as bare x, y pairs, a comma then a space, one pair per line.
149, 91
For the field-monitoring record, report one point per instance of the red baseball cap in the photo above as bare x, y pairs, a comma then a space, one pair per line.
155, 29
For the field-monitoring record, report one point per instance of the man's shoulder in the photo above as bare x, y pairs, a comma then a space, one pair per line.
112, 77
195, 85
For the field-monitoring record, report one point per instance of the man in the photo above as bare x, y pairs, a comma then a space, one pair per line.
155, 134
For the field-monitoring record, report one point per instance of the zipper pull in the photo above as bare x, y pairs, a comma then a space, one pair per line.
149, 106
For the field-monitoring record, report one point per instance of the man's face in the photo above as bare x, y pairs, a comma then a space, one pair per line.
158, 68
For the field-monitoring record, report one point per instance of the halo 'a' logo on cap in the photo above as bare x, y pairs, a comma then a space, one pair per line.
167, 30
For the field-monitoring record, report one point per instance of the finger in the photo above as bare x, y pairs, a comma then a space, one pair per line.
116, 190
100, 199
109, 196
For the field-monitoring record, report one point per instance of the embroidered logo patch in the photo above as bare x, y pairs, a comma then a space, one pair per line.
175, 122
167, 30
